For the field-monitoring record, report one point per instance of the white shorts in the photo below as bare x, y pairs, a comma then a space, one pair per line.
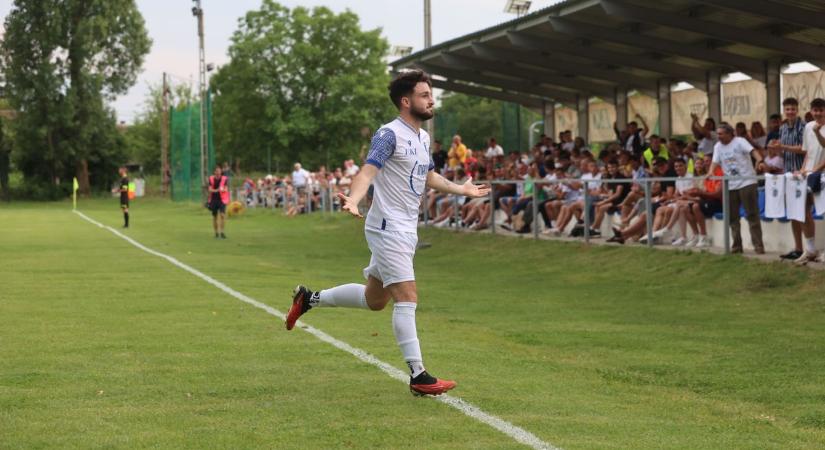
392, 255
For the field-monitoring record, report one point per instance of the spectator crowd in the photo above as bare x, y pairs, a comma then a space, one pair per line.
560, 173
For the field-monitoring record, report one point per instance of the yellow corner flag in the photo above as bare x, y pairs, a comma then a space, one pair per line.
74, 193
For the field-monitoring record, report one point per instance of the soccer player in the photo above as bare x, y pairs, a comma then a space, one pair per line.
218, 198
124, 195
400, 167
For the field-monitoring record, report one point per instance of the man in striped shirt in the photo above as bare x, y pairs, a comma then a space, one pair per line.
790, 143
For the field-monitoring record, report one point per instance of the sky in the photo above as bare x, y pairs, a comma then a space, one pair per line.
173, 30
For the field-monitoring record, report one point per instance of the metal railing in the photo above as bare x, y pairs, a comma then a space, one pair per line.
327, 203
645, 183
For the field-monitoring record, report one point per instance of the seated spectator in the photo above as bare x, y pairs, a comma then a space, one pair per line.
661, 193
676, 207
614, 194
493, 149
710, 200
448, 204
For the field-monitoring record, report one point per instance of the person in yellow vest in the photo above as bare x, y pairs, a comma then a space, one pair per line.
218, 199
656, 150
457, 153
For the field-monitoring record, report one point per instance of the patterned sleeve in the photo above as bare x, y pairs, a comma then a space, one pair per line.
381, 148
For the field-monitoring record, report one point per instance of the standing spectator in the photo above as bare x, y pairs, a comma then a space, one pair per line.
457, 153
789, 143
635, 140
493, 149
812, 142
758, 135
567, 143
706, 135
656, 150
774, 122
300, 179
439, 156
734, 154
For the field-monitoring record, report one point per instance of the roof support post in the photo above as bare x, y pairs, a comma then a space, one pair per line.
620, 100
583, 109
549, 117
665, 105
714, 90
773, 73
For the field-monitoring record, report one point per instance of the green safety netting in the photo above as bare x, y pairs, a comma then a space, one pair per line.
185, 151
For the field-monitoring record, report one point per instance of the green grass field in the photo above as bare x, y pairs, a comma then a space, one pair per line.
102, 345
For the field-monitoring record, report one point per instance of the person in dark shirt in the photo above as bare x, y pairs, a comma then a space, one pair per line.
439, 156
124, 195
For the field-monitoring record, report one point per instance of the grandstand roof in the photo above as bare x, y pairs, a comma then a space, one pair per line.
594, 47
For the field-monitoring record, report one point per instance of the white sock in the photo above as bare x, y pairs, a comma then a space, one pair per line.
345, 296
810, 245
403, 325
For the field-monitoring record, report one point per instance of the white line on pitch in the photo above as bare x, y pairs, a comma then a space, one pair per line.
519, 434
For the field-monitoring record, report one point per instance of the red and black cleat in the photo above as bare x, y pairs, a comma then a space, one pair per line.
300, 305
426, 384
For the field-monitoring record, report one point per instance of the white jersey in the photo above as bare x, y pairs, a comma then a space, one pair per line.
774, 196
403, 157
796, 191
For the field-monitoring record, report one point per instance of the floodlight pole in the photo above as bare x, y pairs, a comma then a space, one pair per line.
197, 11
164, 137
428, 42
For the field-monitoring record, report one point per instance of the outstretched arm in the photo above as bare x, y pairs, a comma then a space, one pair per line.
441, 184
360, 186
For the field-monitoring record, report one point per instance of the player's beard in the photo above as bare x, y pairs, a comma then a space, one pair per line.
422, 115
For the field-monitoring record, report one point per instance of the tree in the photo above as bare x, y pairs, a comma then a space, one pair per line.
476, 119
301, 84
62, 59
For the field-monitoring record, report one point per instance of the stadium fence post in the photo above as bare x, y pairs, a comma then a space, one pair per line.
331, 199
726, 213
648, 212
309, 200
492, 209
535, 209
587, 201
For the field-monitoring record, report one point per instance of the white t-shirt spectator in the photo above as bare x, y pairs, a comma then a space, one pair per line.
352, 170
774, 196
571, 195
300, 177
592, 180
707, 145
492, 152
814, 152
685, 183
735, 160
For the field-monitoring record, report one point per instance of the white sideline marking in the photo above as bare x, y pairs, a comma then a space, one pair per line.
519, 434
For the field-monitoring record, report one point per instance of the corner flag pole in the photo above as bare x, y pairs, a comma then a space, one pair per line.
74, 193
